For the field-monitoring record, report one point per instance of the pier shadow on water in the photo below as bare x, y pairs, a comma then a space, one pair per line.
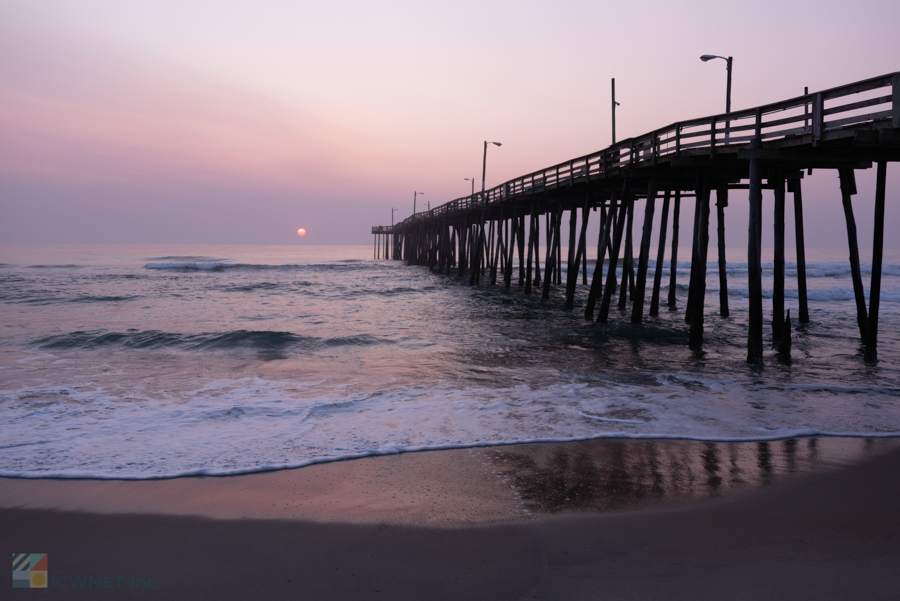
611, 475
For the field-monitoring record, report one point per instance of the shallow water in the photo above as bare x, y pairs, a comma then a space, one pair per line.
148, 361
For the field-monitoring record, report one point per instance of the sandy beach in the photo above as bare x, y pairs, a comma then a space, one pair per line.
455, 525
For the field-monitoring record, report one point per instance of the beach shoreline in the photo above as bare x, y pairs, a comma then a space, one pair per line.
464, 486
827, 534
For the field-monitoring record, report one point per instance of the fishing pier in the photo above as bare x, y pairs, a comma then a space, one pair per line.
495, 236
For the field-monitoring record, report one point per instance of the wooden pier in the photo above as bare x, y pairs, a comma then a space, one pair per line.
496, 234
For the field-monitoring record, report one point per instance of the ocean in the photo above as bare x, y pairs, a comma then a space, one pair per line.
150, 361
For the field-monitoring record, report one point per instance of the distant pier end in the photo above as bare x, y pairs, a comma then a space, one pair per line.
384, 242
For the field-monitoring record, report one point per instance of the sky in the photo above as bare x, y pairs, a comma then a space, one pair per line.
226, 121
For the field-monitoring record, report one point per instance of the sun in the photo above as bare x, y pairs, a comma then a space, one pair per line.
301, 232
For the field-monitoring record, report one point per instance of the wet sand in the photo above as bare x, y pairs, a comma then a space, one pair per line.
593, 520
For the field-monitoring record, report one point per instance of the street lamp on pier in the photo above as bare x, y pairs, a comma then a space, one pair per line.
484, 162
414, 200
709, 57
471, 179
614, 105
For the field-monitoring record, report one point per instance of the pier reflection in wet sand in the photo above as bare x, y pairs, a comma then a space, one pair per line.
609, 475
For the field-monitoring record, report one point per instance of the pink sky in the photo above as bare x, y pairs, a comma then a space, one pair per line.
238, 122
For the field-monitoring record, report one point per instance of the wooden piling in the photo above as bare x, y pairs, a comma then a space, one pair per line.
585, 213
571, 265
698, 295
627, 253
537, 248
673, 260
549, 265
614, 254
557, 273
497, 248
463, 231
689, 307
848, 189
490, 252
660, 257
597, 279
784, 347
778, 281
794, 187
637, 308
513, 232
754, 263
529, 276
721, 203
572, 277
877, 257
553, 249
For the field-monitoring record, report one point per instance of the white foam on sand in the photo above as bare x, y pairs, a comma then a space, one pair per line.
255, 424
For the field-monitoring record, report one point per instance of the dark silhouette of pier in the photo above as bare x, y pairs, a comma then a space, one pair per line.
495, 235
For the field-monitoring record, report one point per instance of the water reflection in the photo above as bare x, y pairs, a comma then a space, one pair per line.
608, 475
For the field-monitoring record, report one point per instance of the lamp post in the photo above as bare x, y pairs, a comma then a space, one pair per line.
484, 162
614, 105
709, 57
414, 200
392, 218
471, 179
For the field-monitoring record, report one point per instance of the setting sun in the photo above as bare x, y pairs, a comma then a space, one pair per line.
301, 232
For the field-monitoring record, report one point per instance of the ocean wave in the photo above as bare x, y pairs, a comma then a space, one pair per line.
69, 266
191, 258
257, 424
47, 298
188, 266
235, 340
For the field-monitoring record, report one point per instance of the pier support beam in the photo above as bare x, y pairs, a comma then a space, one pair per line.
848, 189
689, 308
627, 289
794, 187
572, 278
698, 286
660, 257
537, 246
520, 228
583, 246
571, 264
549, 222
556, 223
637, 308
528, 272
463, 259
721, 203
627, 200
754, 264
778, 281
673, 264
511, 251
597, 279
877, 256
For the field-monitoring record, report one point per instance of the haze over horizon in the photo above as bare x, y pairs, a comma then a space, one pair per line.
231, 122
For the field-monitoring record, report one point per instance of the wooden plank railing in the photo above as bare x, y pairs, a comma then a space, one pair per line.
800, 120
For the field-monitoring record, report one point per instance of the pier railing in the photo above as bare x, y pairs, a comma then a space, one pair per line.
809, 119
